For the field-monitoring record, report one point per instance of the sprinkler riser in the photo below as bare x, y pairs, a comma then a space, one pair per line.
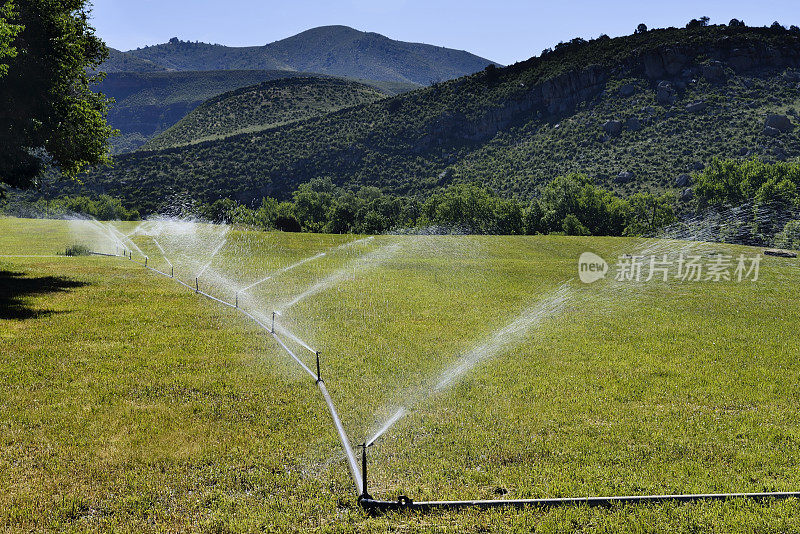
364, 493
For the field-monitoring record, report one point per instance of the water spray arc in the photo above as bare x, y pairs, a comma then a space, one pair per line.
352, 463
494, 344
213, 254
283, 270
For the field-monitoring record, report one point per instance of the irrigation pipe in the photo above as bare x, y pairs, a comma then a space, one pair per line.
404, 503
352, 464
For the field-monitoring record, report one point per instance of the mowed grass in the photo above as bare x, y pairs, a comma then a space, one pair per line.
128, 403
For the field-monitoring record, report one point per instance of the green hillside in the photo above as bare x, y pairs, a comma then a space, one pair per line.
122, 62
264, 106
515, 128
146, 104
334, 50
186, 55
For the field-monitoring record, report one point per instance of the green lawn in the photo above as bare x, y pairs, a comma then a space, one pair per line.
129, 403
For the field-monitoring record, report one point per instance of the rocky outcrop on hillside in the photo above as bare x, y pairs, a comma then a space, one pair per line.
668, 68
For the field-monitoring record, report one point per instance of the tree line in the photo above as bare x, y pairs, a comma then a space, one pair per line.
569, 204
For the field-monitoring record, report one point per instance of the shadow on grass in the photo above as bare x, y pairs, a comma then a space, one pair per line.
15, 288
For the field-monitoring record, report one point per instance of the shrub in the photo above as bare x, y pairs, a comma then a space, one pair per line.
789, 237
77, 250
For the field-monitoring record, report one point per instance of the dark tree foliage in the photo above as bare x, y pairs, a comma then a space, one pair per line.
492, 73
8, 31
641, 28
48, 113
568, 204
702, 22
736, 23
769, 191
102, 207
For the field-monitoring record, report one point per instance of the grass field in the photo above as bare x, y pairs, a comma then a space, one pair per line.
129, 403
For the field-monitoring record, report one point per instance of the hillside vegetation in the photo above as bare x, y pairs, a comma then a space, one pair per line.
264, 106
121, 62
334, 50
146, 104
634, 113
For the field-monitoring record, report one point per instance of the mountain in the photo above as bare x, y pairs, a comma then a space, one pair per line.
179, 55
343, 51
148, 103
334, 50
122, 62
263, 106
634, 112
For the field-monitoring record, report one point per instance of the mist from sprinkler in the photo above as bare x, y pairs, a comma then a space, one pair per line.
498, 342
213, 255
365, 262
282, 270
730, 225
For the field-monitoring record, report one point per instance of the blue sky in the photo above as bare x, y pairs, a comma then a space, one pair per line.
504, 31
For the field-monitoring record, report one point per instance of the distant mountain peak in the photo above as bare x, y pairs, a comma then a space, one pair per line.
335, 50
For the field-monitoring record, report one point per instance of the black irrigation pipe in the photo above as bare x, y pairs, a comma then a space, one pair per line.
404, 503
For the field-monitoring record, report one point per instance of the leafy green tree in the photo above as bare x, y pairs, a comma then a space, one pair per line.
8, 32
572, 226
533, 219
312, 201
285, 218
48, 113
374, 223
769, 191
646, 213
726, 183
789, 237
218, 211
342, 216
470, 207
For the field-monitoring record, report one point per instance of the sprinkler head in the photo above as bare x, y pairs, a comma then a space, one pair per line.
364, 493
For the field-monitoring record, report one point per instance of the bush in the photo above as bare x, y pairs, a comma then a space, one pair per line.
789, 237
568, 204
769, 191
77, 250
102, 207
